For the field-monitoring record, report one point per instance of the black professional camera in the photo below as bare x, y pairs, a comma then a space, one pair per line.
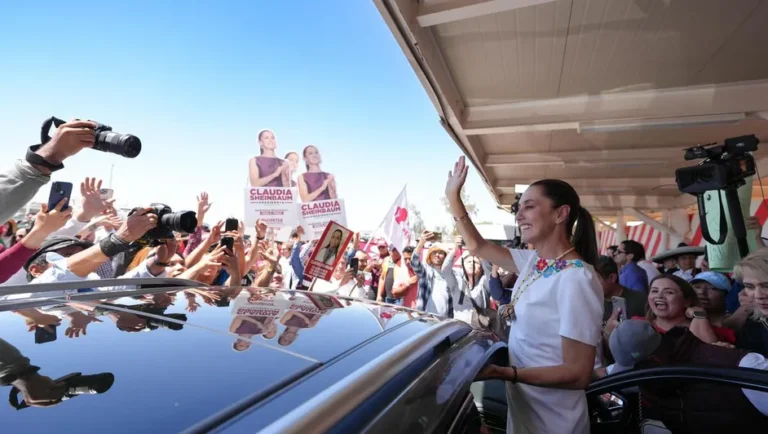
724, 167
168, 222
125, 145
76, 384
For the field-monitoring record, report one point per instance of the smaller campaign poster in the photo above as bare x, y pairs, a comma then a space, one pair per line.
324, 302
315, 216
329, 250
275, 205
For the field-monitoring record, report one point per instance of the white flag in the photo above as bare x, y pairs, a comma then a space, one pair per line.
395, 227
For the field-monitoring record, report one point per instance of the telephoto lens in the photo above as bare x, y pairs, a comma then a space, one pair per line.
181, 221
126, 145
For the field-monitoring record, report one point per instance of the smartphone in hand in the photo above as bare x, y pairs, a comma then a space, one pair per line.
354, 265
620, 303
106, 193
43, 336
229, 243
231, 225
59, 190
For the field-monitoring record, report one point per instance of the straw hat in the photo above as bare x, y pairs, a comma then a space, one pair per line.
682, 249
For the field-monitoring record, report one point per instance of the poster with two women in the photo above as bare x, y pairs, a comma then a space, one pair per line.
281, 196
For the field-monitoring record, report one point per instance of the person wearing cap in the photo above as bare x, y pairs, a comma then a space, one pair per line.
48, 265
711, 290
13, 259
631, 342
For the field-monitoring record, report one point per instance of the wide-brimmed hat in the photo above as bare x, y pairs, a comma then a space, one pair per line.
681, 249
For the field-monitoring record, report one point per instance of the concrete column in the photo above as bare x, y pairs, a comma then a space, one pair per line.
678, 220
620, 234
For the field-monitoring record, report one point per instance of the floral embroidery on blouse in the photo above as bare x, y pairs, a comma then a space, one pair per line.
550, 267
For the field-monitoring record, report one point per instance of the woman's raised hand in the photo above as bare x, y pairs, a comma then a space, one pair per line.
456, 179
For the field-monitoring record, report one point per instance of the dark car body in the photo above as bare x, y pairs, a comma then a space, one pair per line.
261, 360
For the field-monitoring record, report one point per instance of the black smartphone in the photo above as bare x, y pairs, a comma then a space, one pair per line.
354, 265
230, 225
229, 243
43, 336
59, 191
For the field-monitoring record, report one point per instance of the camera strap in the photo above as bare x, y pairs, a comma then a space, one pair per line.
703, 219
53, 120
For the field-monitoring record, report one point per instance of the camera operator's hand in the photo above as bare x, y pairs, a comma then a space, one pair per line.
40, 391
93, 204
45, 224
69, 139
163, 256
137, 224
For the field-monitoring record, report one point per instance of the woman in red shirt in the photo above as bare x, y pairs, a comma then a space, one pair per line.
672, 302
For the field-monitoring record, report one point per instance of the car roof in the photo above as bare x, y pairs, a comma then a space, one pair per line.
185, 366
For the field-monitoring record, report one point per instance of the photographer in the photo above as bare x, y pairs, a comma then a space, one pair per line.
69, 259
19, 184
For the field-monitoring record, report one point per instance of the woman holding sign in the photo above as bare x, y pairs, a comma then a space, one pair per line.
266, 170
314, 184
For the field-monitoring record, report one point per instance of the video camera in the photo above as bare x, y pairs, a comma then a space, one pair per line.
75, 384
724, 167
168, 222
125, 145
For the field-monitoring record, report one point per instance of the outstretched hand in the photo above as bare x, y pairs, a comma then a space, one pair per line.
456, 179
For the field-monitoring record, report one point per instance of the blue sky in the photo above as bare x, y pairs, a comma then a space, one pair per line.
197, 80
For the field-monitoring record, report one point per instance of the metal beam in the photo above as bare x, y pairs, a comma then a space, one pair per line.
640, 153
651, 222
447, 12
738, 97
616, 202
507, 186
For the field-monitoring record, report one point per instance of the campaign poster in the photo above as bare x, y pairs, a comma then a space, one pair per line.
329, 250
268, 169
315, 184
275, 205
315, 216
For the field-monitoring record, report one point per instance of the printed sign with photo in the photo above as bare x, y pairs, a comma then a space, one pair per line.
324, 302
329, 250
315, 216
275, 205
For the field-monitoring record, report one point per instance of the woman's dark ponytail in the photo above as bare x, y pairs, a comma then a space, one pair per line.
580, 227
584, 236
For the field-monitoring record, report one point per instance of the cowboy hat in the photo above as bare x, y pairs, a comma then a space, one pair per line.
682, 249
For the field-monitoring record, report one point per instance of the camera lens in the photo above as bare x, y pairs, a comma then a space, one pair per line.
125, 145
182, 221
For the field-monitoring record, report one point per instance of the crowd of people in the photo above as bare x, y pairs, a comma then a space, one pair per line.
574, 315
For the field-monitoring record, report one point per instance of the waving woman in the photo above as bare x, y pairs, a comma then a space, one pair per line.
266, 170
314, 184
556, 305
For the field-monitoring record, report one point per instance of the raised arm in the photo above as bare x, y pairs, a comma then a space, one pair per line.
475, 243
